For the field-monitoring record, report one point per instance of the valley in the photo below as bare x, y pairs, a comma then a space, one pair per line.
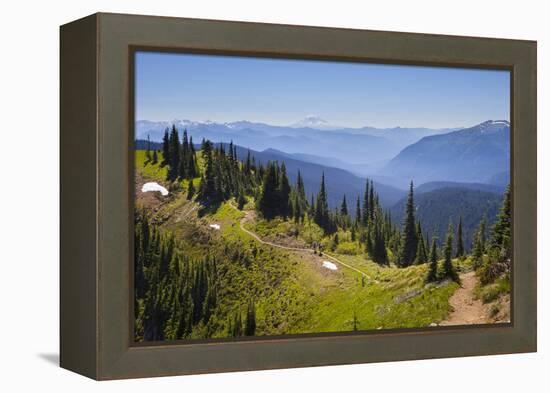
222, 255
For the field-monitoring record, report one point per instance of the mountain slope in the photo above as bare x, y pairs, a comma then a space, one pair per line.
338, 181
435, 185
312, 136
435, 208
473, 154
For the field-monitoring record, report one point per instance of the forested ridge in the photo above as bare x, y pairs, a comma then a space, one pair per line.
179, 295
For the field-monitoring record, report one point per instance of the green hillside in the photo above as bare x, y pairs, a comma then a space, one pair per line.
233, 251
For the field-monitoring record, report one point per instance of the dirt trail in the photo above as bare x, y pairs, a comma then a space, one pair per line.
466, 309
249, 216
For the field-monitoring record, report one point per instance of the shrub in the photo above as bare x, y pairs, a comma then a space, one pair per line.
347, 248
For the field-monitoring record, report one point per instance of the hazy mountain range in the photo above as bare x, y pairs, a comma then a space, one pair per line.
456, 172
361, 147
474, 154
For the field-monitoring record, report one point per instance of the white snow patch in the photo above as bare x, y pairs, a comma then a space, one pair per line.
215, 226
153, 186
329, 265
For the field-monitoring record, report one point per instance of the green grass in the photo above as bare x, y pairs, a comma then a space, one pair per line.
149, 171
292, 292
491, 292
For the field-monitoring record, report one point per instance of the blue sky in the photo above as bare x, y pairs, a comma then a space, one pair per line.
282, 92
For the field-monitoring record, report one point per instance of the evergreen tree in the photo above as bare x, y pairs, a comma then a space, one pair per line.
448, 268
482, 230
459, 242
321, 207
421, 254
284, 193
409, 241
208, 192
268, 203
155, 157
378, 253
148, 151
477, 252
366, 214
432, 272
372, 201
174, 153
165, 149
237, 325
501, 232
190, 190
358, 219
250, 325
344, 207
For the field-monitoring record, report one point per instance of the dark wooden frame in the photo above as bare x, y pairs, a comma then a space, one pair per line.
96, 189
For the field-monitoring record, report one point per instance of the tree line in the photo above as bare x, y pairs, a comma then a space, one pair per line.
224, 176
174, 294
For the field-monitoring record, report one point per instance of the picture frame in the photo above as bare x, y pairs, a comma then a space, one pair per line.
97, 114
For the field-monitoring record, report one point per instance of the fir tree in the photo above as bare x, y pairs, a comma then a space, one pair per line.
358, 211
477, 252
421, 254
148, 151
407, 253
165, 149
501, 232
207, 192
174, 153
250, 324
268, 203
432, 272
448, 268
482, 230
321, 207
190, 190
155, 157
372, 201
459, 242
284, 193
344, 207
365, 217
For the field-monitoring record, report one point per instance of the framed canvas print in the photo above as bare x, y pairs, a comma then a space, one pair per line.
240, 196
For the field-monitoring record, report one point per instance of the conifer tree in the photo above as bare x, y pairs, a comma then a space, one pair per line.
459, 242
321, 207
358, 212
344, 207
448, 268
268, 203
165, 149
372, 201
477, 252
174, 153
190, 190
155, 157
148, 151
407, 253
421, 256
284, 193
432, 271
207, 191
237, 325
250, 324
366, 214
482, 230
501, 235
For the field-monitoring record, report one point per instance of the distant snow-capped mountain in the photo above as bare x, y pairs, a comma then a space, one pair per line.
315, 122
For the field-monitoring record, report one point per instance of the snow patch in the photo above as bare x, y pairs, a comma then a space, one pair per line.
215, 226
153, 186
329, 265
